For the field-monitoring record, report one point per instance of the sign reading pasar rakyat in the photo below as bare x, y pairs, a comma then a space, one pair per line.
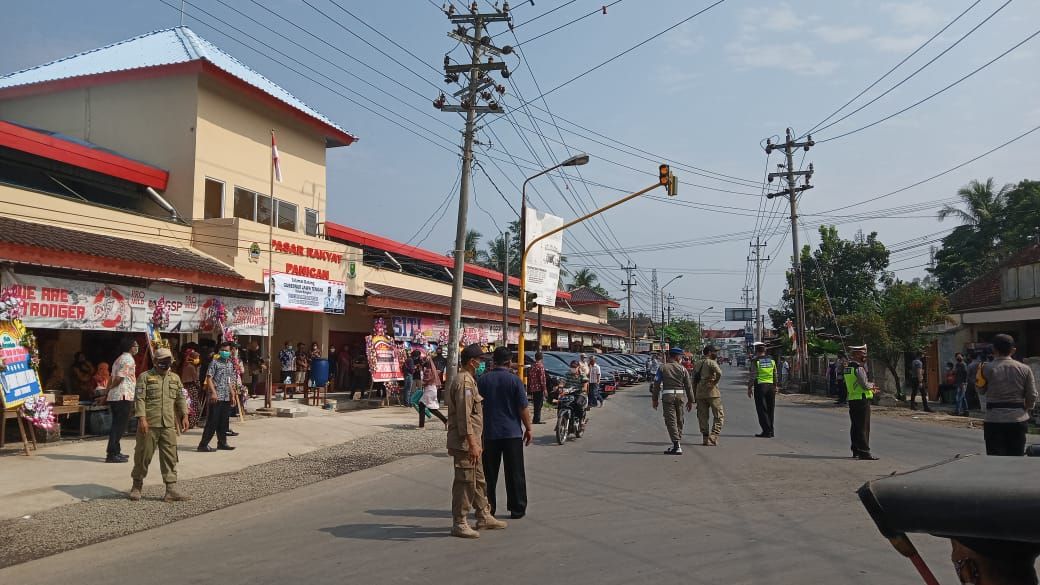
543, 261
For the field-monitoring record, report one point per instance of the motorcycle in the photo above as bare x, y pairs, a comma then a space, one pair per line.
572, 409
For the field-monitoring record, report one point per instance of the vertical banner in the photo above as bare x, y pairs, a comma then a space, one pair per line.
18, 377
543, 261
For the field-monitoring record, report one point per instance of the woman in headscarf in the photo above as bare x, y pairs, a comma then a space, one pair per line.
190, 361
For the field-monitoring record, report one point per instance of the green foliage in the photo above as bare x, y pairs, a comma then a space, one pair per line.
685, 334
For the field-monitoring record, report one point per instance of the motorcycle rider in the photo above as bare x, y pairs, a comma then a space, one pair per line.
673, 382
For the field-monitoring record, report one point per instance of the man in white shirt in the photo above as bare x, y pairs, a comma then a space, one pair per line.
595, 375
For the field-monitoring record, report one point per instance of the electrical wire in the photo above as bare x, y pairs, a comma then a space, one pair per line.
601, 10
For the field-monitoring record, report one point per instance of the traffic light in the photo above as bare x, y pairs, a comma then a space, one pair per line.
530, 301
666, 178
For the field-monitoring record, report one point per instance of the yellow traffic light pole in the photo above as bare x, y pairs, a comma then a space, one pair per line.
666, 180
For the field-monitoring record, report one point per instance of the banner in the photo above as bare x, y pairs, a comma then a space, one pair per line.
303, 293
59, 303
543, 261
18, 378
432, 329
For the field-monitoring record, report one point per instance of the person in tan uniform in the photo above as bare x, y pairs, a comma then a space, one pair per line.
161, 411
465, 445
709, 399
673, 382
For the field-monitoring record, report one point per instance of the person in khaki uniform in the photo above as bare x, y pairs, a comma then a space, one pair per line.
673, 382
161, 411
465, 445
709, 399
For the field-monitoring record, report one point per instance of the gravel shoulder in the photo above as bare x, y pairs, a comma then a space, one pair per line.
896, 410
75, 525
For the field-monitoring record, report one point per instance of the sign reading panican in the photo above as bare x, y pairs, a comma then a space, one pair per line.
543, 261
18, 379
303, 293
59, 303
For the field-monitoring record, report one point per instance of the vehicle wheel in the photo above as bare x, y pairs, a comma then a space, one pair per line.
563, 423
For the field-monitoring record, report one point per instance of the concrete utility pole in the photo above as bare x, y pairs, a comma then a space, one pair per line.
669, 299
628, 284
757, 259
791, 192
653, 294
505, 289
470, 30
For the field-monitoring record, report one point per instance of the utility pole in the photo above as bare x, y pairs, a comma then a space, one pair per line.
470, 30
791, 192
628, 284
653, 294
757, 259
670, 298
505, 289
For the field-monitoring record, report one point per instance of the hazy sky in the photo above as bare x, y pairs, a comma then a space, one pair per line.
705, 94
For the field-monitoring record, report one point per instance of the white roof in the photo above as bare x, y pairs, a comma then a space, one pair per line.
154, 49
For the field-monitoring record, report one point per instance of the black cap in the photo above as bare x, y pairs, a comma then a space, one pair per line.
471, 351
710, 349
501, 355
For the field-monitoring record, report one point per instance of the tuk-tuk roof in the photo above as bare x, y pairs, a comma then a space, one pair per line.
994, 498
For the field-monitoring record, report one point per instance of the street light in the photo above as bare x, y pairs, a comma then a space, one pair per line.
574, 161
674, 278
701, 313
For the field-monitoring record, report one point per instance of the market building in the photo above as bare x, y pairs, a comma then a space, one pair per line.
143, 170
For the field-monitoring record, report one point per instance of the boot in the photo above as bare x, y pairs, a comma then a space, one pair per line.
913, 405
707, 441
135, 491
713, 440
464, 530
489, 522
172, 495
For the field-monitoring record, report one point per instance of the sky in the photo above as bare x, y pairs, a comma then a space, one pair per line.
705, 95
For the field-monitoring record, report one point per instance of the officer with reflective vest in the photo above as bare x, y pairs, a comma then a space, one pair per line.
762, 387
861, 393
673, 384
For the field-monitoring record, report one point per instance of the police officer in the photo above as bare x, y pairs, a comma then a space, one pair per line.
762, 386
673, 382
861, 392
709, 399
161, 410
465, 445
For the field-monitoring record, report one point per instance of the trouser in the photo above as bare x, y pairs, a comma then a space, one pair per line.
710, 406
538, 398
406, 394
511, 451
859, 429
300, 377
468, 490
673, 415
843, 392
765, 402
1007, 439
291, 374
961, 405
435, 412
915, 389
163, 439
595, 399
120, 410
217, 421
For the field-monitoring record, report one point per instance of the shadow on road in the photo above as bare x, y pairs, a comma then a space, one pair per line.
801, 456
625, 452
411, 513
391, 532
91, 491
66, 457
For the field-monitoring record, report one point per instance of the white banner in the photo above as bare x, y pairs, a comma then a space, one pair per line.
543, 261
58, 303
303, 293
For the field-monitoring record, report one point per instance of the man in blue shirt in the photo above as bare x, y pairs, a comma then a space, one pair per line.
507, 429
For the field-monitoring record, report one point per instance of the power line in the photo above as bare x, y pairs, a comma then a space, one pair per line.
602, 10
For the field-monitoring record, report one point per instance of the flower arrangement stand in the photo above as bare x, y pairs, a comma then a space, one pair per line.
25, 430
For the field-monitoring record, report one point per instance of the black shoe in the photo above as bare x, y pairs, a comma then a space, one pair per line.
517, 515
539, 422
231, 434
764, 435
926, 409
225, 448
867, 457
115, 459
674, 451
206, 449
913, 406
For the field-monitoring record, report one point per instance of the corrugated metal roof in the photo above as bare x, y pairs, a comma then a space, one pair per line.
164, 47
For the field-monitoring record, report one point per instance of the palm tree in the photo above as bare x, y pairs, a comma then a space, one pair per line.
472, 241
584, 277
983, 209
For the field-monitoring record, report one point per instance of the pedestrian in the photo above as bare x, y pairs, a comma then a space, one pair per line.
861, 392
101, 378
190, 381
121, 392
709, 399
408, 369
343, 368
442, 366
673, 384
652, 366
161, 412
314, 356
287, 362
762, 386
832, 378
843, 392
917, 383
507, 430
785, 370
536, 386
220, 382
303, 365
583, 366
973, 391
1010, 391
960, 378
595, 375
431, 380
465, 445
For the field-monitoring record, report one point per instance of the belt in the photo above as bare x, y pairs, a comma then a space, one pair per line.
990, 405
672, 391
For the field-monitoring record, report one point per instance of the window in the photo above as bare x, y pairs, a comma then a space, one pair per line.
245, 204
263, 209
286, 216
214, 203
310, 225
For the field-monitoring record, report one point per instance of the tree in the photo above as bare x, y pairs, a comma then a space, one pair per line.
898, 324
685, 334
472, 241
583, 277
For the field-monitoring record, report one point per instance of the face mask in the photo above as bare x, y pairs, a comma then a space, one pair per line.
134, 350
574, 370
481, 368
225, 354
162, 366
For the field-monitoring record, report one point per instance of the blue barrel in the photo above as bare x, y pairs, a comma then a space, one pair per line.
320, 371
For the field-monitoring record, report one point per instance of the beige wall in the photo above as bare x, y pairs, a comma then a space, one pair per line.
234, 146
152, 120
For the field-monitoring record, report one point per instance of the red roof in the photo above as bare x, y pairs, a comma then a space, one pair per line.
586, 296
80, 154
362, 238
985, 291
722, 333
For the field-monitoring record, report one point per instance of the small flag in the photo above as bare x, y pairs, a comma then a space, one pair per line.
274, 160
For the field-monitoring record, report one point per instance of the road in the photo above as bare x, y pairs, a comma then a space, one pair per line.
609, 508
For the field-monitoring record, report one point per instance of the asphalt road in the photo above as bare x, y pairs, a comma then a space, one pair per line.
609, 508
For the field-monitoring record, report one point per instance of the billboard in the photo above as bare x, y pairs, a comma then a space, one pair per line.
304, 293
740, 314
543, 261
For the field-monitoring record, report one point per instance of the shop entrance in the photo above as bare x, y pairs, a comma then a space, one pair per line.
355, 377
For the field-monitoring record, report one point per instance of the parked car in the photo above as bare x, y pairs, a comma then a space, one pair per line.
631, 373
612, 375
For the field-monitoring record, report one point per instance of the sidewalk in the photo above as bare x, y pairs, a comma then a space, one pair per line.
74, 470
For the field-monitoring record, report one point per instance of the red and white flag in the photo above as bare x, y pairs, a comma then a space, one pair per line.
274, 160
